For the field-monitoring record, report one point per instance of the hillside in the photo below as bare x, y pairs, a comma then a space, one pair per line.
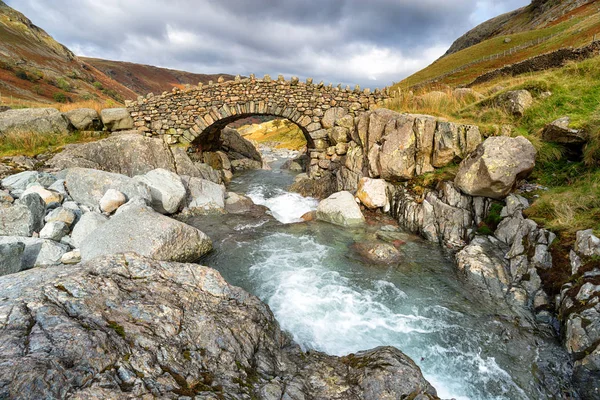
35, 67
541, 27
143, 79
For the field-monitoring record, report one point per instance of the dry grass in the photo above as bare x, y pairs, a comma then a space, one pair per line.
31, 144
282, 134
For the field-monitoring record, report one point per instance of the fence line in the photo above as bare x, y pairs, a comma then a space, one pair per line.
495, 56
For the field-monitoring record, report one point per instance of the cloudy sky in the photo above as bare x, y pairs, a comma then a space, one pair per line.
369, 42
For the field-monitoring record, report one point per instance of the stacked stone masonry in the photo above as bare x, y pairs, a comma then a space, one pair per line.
196, 115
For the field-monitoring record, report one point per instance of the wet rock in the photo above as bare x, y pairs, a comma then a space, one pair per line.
24, 217
245, 164
42, 121
124, 154
116, 119
493, 169
376, 252
166, 189
373, 193
111, 201
239, 204
516, 101
147, 233
87, 224
482, 263
340, 209
84, 119
88, 186
180, 330
10, 257
38, 252
320, 188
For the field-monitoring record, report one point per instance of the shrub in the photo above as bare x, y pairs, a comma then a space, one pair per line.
98, 85
22, 75
60, 97
63, 84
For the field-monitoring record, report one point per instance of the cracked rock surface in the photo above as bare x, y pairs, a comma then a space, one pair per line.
124, 326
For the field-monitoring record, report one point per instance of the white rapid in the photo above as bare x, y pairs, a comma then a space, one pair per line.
330, 301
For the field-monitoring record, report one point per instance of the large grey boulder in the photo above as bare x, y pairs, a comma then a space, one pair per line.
87, 224
84, 119
340, 209
237, 147
116, 119
41, 121
185, 166
20, 181
515, 101
129, 327
493, 169
124, 154
166, 189
11, 255
88, 186
38, 252
54, 231
203, 194
24, 217
143, 231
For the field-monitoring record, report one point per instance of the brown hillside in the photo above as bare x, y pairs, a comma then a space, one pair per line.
144, 79
539, 14
35, 67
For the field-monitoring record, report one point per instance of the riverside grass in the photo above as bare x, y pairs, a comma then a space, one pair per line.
572, 201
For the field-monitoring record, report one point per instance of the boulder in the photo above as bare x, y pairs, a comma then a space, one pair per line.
11, 255
38, 252
111, 201
61, 214
237, 147
515, 101
54, 231
88, 186
373, 193
467, 94
482, 264
166, 189
319, 188
377, 252
48, 196
203, 194
20, 181
493, 169
143, 231
340, 209
72, 257
124, 154
587, 244
87, 224
116, 119
84, 119
239, 204
244, 164
42, 121
24, 217
132, 327
558, 131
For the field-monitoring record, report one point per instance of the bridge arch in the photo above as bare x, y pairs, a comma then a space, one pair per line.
196, 115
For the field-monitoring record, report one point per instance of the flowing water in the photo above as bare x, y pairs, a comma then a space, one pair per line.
330, 300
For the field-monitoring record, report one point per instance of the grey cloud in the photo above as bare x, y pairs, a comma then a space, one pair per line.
349, 41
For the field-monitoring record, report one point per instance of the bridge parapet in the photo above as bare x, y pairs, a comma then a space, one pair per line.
197, 114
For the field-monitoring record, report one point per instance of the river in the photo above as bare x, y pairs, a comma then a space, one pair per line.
332, 301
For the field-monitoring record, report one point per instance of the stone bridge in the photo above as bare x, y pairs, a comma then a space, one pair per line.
197, 114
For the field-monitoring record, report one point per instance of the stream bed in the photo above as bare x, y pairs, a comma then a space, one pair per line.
330, 300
